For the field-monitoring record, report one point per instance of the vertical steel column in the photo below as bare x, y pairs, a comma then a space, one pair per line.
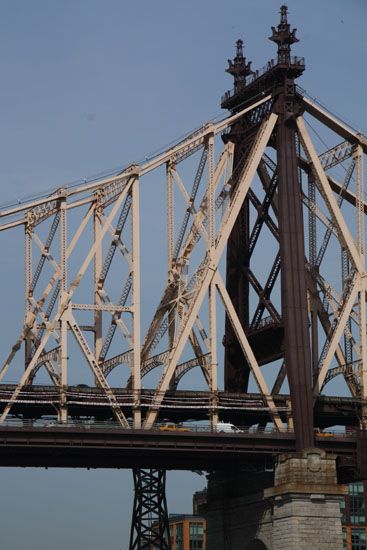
63, 413
135, 239
236, 369
312, 242
213, 355
211, 205
312, 257
297, 353
345, 269
28, 286
212, 288
358, 159
170, 248
170, 216
149, 526
293, 281
97, 272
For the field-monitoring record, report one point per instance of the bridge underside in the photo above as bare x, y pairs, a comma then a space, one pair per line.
57, 446
92, 438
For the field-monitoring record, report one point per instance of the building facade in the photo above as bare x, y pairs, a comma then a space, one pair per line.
353, 508
187, 532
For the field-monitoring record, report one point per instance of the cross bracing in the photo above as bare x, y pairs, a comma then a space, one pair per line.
71, 289
113, 211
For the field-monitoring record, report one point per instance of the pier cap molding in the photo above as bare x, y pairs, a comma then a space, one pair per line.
311, 471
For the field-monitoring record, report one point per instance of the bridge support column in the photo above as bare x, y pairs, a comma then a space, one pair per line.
296, 507
149, 526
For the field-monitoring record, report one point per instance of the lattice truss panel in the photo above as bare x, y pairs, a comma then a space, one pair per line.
87, 291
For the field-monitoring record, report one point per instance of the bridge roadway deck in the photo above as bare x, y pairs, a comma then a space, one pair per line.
110, 447
177, 406
32, 436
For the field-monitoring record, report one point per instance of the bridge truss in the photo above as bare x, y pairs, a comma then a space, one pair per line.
255, 173
265, 241
59, 266
111, 212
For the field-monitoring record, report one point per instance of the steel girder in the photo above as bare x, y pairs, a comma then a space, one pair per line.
149, 525
226, 210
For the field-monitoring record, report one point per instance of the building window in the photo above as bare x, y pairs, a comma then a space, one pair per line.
196, 529
356, 488
345, 544
342, 510
358, 537
357, 515
179, 536
196, 536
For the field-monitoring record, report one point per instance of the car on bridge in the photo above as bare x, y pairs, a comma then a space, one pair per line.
172, 427
227, 427
320, 433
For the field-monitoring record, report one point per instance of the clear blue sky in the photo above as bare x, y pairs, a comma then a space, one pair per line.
89, 84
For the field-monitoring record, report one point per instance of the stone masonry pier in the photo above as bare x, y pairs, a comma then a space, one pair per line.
295, 507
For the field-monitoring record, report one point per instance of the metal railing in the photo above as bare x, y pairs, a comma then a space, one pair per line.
170, 427
38, 395
294, 61
265, 322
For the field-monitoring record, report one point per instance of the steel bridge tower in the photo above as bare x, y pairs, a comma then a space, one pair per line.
286, 335
255, 218
149, 526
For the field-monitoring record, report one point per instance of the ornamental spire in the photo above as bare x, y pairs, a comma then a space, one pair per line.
239, 68
284, 37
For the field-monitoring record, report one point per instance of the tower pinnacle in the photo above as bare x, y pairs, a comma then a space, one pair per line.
277, 75
284, 37
239, 68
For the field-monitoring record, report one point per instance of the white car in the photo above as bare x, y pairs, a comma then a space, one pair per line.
227, 427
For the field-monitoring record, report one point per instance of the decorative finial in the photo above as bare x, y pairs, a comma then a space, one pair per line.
239, 49
239, 68
284, 37
283, 15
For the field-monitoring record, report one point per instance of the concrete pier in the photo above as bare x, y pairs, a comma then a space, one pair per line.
295, 507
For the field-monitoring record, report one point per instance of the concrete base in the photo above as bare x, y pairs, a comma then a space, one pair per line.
296, 509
